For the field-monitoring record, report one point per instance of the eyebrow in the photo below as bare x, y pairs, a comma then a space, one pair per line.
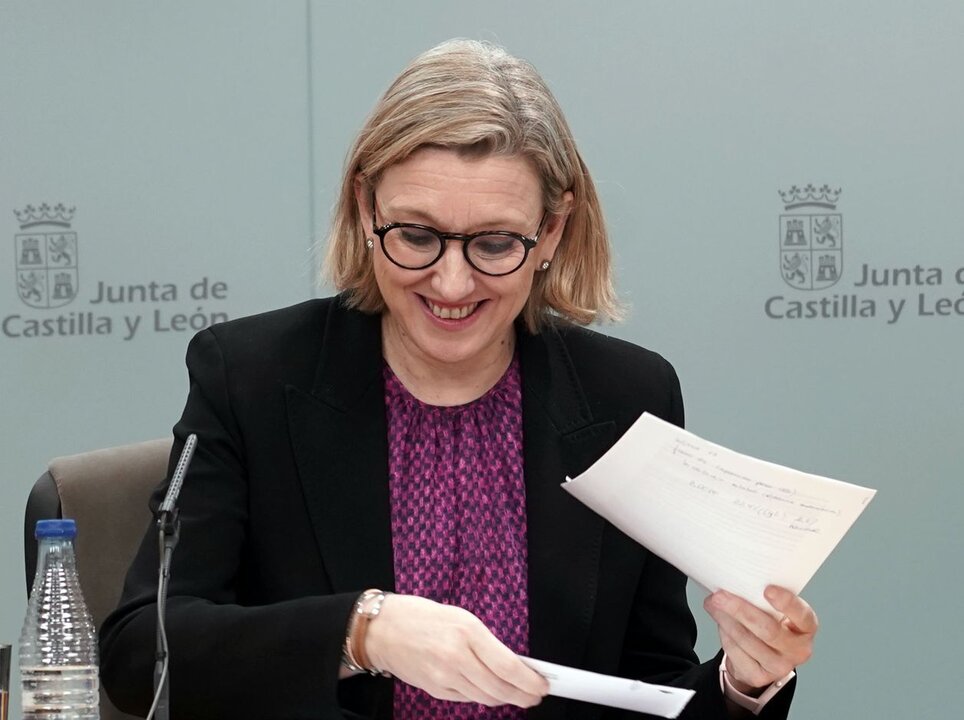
422, 217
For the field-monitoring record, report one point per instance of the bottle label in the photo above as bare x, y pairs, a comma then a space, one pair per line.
47, 689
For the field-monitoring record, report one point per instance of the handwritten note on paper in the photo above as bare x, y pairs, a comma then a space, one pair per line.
725, 519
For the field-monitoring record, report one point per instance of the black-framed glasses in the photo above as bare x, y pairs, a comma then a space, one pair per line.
491, 252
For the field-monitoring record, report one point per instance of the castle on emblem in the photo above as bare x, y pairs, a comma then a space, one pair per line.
809, 239
794, 235
63, 287
46, 254
30, 252
827, 269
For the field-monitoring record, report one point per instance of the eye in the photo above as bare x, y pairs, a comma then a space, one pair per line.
491, 247
417, 238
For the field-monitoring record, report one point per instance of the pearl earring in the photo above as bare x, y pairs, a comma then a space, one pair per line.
545, 265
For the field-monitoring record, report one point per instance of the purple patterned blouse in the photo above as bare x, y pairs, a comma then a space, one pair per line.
459, 519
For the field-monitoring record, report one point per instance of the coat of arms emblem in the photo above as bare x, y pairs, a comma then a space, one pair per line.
811, 238
46, 256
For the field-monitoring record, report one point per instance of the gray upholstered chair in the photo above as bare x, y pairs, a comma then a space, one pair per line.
106, 492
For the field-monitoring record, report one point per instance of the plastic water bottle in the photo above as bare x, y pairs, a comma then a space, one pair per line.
58, 645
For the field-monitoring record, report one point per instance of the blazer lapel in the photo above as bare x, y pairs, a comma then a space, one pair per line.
564, 537
339, 439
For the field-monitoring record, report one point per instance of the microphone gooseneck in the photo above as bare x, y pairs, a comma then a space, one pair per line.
177, 478
168, 532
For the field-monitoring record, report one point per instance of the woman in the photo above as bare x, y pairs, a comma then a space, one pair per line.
410, 436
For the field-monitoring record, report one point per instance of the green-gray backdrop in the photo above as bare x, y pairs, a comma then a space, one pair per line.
197, 143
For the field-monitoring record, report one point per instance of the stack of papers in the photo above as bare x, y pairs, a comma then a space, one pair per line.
727, 520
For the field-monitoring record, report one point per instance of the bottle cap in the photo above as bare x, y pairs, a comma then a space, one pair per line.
56, 528
4, 668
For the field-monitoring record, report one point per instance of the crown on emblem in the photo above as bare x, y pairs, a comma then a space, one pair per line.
59, 214
810, 195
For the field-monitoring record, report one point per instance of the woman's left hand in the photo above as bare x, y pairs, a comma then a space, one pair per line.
761, 649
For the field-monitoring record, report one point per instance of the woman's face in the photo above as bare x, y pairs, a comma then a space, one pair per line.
450, 315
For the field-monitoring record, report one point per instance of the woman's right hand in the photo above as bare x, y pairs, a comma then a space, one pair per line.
449, 653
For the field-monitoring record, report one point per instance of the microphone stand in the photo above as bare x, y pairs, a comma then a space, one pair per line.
169, 530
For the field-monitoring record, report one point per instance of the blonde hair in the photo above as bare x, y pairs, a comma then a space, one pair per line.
477, 99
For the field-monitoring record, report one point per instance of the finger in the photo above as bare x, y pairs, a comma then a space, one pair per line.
451, 682
455, 673
506, 665
478, 683
468, 691
798, 612
450, 677
778, 655
447, 693
516, 681
759, 623
744, 671
738, 640
484, 683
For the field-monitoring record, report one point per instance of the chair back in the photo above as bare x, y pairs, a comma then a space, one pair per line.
107, 493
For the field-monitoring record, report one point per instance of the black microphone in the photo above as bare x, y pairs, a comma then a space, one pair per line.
177, 479
169, 530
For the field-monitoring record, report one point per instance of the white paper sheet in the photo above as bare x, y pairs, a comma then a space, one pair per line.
615, 692
725, 519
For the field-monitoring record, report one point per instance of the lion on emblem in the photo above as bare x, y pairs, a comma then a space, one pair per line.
826, 232
31, 286
793, 268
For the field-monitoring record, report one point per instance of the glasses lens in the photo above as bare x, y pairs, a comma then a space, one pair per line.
497, 254
412, 247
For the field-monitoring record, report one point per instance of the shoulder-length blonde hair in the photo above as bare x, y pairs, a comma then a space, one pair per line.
475, 98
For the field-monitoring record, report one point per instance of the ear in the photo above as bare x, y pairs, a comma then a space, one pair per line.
555, 226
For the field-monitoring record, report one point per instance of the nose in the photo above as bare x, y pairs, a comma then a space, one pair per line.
453, 278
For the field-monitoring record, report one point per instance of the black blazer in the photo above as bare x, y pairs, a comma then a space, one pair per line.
285, 518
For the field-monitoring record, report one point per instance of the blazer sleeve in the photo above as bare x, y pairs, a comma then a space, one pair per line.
226, 659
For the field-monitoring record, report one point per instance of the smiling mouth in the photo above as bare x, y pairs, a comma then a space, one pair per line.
451, 313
